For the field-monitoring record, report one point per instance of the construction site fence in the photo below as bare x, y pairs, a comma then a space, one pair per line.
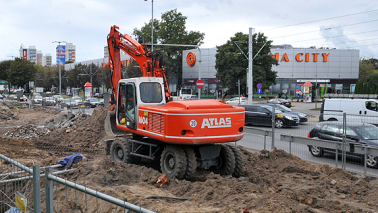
41, 190
351, 155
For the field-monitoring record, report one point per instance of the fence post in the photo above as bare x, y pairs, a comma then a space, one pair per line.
273, 125
265, 134
49, 191
365, 148
337, 153
344, 141
37, 188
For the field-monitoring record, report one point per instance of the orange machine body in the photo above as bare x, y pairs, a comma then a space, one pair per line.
190, 122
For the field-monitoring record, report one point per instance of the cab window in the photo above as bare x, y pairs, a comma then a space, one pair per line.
371, 105
150, 92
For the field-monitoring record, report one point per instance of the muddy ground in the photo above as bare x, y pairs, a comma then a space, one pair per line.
271, 182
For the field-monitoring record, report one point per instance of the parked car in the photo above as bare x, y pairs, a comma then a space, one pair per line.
280, 101
57, 98
98, 95
36, 98
360, 110
12, 97
101, 103
235, 101
190, 97
303, 117
356, 133
69, 103
261, 115
91, 102
23, 98
48, 101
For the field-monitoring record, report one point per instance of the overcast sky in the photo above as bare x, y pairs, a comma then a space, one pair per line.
341, 24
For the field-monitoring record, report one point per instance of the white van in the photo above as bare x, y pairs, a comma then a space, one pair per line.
357, 110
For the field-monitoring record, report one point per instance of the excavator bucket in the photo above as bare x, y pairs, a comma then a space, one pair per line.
111, 127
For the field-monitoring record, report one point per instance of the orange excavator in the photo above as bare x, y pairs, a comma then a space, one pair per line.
183, 135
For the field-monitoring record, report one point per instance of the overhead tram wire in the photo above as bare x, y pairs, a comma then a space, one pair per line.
333, 36
325, 29
322, 20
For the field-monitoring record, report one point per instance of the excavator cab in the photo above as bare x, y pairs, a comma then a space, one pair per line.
133, 93
126, 105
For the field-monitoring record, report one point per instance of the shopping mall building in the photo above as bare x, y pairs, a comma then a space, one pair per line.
331, 70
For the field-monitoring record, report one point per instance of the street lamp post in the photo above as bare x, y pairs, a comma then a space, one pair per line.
60, 74
152, 26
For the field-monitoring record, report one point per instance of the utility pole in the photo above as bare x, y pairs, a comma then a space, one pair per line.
250, 60
60, 74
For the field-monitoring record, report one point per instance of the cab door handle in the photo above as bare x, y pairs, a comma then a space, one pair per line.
360, 112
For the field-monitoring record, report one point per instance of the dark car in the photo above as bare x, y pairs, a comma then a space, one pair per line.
91, 102
280, 101
261, 115
99, 95
356, 133
303, 117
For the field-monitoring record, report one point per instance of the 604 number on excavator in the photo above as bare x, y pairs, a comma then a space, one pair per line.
184, 135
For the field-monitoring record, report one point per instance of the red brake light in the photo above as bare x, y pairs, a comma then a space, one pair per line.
283, 103
309, 135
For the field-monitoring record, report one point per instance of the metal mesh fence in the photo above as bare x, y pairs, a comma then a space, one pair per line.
348, 140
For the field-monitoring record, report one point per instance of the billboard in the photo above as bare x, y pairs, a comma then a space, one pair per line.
25, 54
61, 53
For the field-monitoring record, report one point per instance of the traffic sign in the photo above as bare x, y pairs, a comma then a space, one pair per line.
259, 91
200, 84
259, 86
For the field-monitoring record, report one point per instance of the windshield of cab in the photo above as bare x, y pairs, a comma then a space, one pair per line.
150, 92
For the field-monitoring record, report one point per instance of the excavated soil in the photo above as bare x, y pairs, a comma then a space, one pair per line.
272, 181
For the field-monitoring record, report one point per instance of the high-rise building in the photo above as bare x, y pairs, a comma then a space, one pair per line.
70, 52
106, 52
32, 54
39, 57
47, 60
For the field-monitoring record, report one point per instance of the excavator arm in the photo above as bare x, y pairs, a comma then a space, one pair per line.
148, 61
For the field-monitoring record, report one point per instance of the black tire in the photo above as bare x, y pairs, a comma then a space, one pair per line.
120, 151
372, 161
173, 162
279, 123
332, 119
226, 161
316, 151
238, 161
191, 163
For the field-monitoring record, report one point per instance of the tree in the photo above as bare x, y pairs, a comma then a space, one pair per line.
4, 69
372, 79
21, 72
171, 30
133, 70
366, 68
232, 64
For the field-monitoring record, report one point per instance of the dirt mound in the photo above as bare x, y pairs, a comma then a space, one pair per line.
85, 136
28, 131
272, 182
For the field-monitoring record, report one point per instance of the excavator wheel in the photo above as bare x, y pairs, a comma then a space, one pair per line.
226, 161
173, 162
191, 163
238, 161
120, 151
